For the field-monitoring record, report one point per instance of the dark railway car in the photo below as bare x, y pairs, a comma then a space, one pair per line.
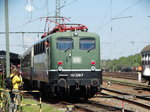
65, 62
126, 69
146, 63
14, 59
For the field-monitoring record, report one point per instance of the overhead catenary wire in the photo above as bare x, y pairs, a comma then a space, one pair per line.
107, 45
121, 13
67, 4
135, 33
18, 13
32, 20
41, 8
118, 17
128, 8
109, 6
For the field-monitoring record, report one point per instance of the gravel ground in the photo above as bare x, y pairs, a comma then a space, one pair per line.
119, 103
115, 102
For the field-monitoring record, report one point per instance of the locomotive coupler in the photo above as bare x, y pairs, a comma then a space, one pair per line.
53, 89
68, 90
86, 89
77, 85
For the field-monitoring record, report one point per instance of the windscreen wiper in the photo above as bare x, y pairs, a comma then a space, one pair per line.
90, 48
67, 49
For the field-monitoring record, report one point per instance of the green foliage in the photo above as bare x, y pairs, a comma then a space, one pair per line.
117, 64
1, 80
45, 107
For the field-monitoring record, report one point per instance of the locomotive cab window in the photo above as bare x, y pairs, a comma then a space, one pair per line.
64, 43
87, 44
148, 58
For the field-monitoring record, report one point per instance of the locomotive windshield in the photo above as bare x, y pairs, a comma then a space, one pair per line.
87, 44
64, 43
146, 59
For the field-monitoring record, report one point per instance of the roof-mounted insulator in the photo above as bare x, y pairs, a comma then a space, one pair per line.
66, 27
69, 27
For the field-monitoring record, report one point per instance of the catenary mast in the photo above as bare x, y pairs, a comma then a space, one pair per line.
57, 12
7, 39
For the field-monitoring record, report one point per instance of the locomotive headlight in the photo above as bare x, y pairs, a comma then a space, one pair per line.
60, 68
75, 34
93, 68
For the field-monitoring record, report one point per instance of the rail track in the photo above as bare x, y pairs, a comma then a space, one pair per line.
81, 105
86, 106
139, 100
94, 106
97, 106
143, 97
135, 85
124, 75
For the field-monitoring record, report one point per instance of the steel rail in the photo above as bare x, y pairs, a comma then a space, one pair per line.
77, 106
130, 75
123, 93
127, 100
96, 107
127, 83
108, 107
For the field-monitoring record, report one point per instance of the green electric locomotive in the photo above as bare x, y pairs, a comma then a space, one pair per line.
65, 62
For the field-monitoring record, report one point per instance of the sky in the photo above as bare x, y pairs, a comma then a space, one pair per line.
123, 25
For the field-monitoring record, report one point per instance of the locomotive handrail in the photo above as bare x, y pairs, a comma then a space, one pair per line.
19, 103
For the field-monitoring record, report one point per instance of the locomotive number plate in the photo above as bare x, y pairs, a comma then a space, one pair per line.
76, 75
76, 59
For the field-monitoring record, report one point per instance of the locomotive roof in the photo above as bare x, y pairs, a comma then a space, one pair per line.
146, 49
67, 34
79, 34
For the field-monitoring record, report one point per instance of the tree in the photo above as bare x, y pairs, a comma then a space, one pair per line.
117, 64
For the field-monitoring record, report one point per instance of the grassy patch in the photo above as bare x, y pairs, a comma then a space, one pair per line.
45, 107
